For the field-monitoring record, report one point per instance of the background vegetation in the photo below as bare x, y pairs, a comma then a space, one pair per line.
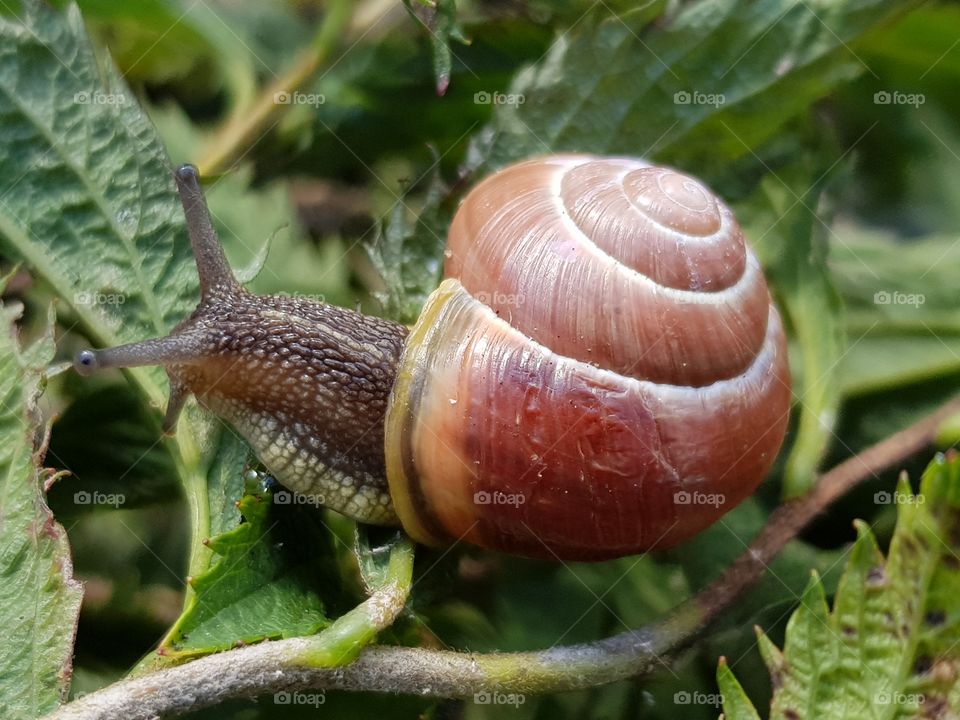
346, 132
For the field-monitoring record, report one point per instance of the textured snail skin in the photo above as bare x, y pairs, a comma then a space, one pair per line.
594, 382
305, 383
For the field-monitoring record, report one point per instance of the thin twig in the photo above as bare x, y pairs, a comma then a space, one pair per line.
274, 667
787, 520
246, 125
345, 22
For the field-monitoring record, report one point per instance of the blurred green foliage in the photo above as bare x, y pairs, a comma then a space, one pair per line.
837, 141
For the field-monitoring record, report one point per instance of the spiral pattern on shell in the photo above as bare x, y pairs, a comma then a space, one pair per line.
603, 371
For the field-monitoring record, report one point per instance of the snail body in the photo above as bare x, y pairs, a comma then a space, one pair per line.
602, 371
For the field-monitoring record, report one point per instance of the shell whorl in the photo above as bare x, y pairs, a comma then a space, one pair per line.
672, 292
604, 347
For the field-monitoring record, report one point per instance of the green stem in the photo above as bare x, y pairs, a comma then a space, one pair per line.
248, 123
194, 477
188, 461
342, 642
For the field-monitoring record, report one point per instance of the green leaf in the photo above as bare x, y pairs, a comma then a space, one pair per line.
164, 41
385, 83
39, 599
891, 645
791, 241
90, 205
252, 592
919, 44
408, 254
373, 558
108, 442
876, 361
439, 17
901, 300
705, 85
225, 481
736, 704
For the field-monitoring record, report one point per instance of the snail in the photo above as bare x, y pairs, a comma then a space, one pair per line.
601, 372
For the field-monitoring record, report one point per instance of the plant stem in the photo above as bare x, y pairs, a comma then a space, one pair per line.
342, 642
194, 473
247, 124
787, 520
287, 665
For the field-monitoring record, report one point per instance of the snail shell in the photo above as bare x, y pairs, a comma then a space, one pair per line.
602, 372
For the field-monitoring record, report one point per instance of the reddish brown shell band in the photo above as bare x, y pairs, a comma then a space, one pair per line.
634, 268
579, 462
